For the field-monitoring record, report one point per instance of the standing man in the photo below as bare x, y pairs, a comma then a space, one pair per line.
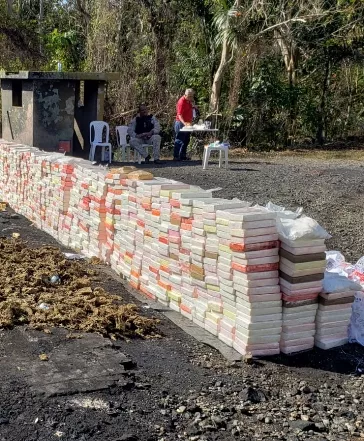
144, 129
184, 117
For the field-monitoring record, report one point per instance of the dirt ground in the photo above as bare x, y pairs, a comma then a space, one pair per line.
329, 190
174, 387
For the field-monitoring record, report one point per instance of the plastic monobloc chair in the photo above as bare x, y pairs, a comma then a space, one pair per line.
216, 147
96, 139
121, 134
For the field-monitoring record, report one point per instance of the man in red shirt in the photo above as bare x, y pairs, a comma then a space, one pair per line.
184, 118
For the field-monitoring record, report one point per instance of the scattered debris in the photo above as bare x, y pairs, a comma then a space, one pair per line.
252, 395
248, 358
55, 280
212, 190
16, 235
73, 256
44, 357
128, 437
127, 362
72, 336
143, 386
89, 403
44, 306
74, 302
95, 261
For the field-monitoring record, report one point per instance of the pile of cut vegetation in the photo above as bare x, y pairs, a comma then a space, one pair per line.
42, 289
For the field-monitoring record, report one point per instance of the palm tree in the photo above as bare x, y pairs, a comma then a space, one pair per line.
226, 38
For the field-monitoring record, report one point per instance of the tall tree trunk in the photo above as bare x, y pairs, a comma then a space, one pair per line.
353, 89
219, 74
321, 123
236, 83
225, 59
292, 78
162, 25
85, 16
119, 40
289, 53
10, 7
161, 52
41, 16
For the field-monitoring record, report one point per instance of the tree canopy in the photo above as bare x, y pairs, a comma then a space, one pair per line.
276, 72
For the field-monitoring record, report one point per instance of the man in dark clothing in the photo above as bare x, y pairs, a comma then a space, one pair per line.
144, 130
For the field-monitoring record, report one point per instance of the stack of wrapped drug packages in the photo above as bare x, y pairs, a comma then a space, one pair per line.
214, 260
302, 267
129, 226
117, 191
165, 268
79, 209
335, 309
124, 242
211, 311
248, 275
191, 250
179, 197
181, 215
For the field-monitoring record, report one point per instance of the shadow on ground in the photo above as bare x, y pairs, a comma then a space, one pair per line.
347, 360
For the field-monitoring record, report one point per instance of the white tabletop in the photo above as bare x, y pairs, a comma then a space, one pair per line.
192, 129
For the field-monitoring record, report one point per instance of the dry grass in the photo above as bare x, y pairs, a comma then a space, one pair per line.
28, 296
318, 155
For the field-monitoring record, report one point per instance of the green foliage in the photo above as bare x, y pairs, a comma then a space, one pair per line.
294, 70
64, 47
192, 66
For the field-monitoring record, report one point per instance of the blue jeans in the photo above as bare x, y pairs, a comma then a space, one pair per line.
181, 141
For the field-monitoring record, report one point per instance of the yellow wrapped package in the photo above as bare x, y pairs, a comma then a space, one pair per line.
140, 175
120, 172
127, 169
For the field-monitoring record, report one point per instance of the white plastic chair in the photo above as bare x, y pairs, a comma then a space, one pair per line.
216, 147
121, 133
97, 130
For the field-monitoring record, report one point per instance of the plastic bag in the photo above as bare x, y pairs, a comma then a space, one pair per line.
357, 273
292, 225
282, 212
334, 282
359, 266
356, 328
335, 263
303, 228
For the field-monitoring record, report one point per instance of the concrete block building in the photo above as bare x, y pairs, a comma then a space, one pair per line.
49, 109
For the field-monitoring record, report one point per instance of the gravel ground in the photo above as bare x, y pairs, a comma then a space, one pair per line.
175, 388
332, 192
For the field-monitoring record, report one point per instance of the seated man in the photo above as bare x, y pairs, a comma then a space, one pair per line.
144, 129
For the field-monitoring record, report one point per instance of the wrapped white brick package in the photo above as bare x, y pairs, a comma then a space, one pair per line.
214, 260
248, 272
302, 267
333, 318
